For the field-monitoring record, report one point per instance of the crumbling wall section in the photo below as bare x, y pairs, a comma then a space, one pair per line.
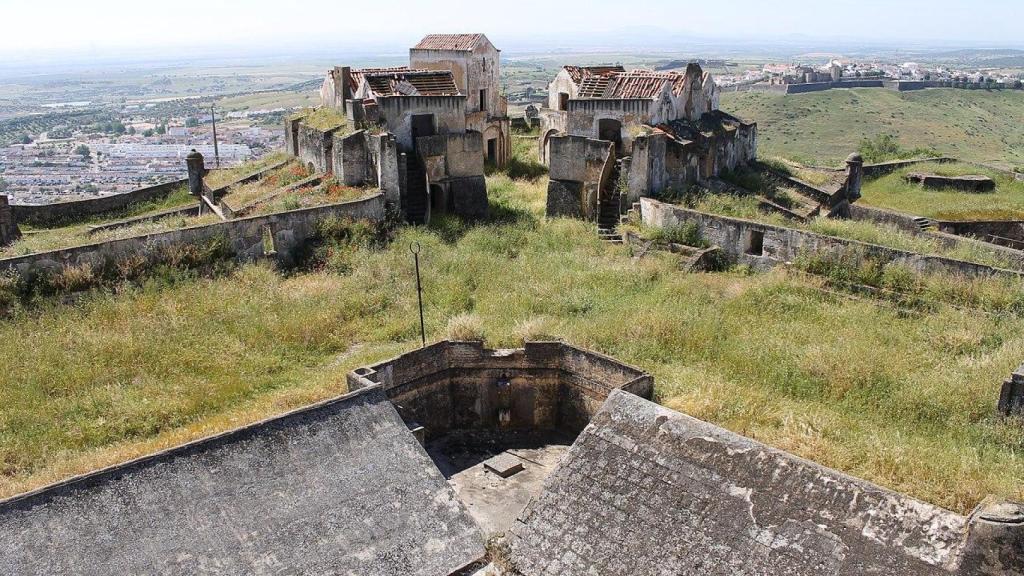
9, 231
764, 246
351, 162
449, 114
316, 148
244, 239
579, 168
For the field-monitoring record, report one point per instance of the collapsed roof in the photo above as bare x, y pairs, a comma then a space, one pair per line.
406, 82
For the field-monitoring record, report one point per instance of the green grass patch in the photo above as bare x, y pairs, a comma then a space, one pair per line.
823, 128
892, 191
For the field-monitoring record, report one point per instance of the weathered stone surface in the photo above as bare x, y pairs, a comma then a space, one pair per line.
565, 199
646, 490
336, 488
9, 231
469, 197
969, 183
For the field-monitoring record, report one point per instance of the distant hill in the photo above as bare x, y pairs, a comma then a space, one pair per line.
824, 127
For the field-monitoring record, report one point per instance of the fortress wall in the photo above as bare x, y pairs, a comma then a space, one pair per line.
316, 148
764, 246
58, 213
245, 239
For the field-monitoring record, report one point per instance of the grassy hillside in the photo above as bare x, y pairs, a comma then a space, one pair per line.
894, 192
825, 127
904, 400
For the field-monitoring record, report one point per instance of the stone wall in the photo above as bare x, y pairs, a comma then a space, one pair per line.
454, 166
9, 231
986, 229
245, 238
646, 490
59, 213
764, 246
352, 160
452, 386
579, 168
316, 147
883, 168
397, 111
1011, 396
338, 487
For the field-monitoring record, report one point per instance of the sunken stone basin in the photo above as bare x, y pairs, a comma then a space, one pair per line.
968, 183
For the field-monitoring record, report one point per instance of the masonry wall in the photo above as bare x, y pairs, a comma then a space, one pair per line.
290, 230
579, 168
316, 148
49, 215
452, 386
352, 159
986, 229
397, 111
779, 245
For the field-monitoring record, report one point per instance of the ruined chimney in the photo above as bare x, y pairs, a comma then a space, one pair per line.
1011, 398
196, 171
342, 85
995, 539
9, 231
854, 176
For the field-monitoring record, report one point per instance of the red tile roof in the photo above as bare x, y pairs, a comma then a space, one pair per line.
356, 76
578, 73
628, 85
454, 42
412, 83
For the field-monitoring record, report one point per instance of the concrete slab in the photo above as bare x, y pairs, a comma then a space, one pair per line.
504, 464
493, 501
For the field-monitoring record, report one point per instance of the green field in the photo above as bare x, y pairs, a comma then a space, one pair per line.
894, 192
903, 400
825, 127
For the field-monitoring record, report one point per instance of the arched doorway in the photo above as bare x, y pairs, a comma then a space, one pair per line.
542, 145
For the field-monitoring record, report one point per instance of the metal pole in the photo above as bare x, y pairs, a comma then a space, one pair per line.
415, 249
216, 152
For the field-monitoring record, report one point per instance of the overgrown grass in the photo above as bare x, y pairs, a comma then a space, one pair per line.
894, 192
904, 401
325, 118
223, 177
289, 174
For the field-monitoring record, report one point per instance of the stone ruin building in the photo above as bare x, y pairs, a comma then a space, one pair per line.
554, 453
421, 133
612, 136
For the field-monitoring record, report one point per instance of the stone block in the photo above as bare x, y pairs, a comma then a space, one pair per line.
504, 465
468, 197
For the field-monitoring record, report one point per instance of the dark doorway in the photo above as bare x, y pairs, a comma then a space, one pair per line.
483, 99
438, 200
422, 125
610, 130
563, 101
492, 150
755, 243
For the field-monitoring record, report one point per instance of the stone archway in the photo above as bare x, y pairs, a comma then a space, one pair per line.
542, 146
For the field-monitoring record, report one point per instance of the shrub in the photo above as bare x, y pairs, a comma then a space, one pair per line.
465, 326
687, 233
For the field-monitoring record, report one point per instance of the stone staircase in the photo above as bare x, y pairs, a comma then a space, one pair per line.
608, 214
416, 193
925, 224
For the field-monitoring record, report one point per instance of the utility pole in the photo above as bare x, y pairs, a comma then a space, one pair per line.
216, 151
415, 249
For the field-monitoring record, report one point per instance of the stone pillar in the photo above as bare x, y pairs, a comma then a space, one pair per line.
1011, 398
196, 171
854, 176
995, 540
9, 231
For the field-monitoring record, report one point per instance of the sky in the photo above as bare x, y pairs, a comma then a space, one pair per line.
83, 28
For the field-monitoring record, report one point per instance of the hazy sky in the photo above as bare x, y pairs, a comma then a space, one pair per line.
93, 26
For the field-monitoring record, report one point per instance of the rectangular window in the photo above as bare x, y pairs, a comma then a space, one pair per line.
483, 99
755, 243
